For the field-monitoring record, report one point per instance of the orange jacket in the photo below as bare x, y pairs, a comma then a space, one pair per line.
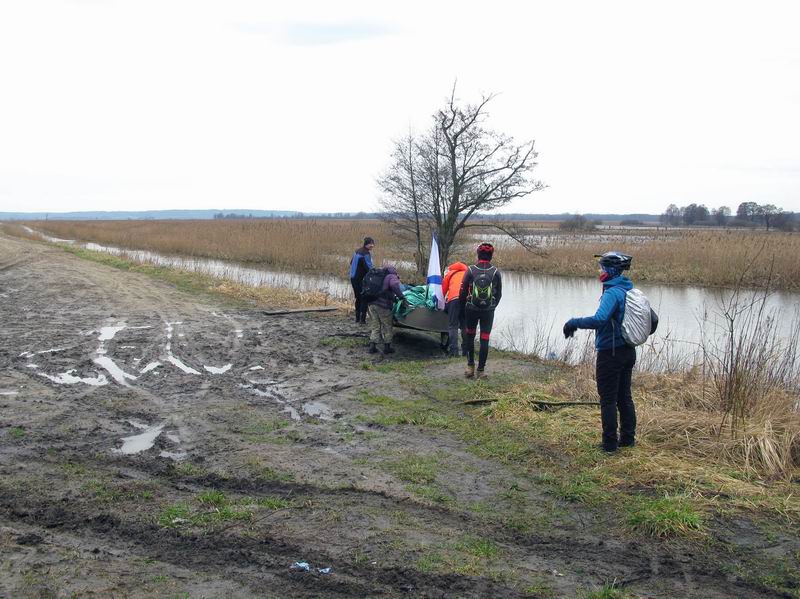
451, 285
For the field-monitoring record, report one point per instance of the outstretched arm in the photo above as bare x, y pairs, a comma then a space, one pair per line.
608, 305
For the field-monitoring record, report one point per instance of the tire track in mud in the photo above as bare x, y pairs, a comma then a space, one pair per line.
627, 561
254, 558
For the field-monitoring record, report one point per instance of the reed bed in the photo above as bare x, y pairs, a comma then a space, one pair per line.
714, 258
684, 443
321, 246
699, 257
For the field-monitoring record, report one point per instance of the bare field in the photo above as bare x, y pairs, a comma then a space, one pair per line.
159, 442
698, 257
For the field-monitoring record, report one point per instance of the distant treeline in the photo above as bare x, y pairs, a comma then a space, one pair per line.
748, 214
247, 214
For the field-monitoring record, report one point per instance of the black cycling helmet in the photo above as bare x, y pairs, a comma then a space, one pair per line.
615, 259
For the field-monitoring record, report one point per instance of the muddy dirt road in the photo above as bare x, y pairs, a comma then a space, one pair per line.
159, 444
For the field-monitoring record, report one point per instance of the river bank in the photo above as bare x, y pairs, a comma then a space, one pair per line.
692, 319
706, 258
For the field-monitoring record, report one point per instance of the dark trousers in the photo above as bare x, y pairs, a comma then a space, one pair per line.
455, 323
473, 318
613, 374
361, 305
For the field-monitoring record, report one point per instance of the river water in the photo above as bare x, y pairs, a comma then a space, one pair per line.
534, 308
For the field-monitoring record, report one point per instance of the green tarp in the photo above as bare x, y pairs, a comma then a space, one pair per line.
416, 297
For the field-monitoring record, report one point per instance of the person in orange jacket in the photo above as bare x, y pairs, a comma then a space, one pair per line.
451, 285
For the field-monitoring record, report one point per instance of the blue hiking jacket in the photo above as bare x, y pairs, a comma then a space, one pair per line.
360, 263
607, 321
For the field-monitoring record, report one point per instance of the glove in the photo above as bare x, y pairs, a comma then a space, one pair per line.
569, 329
405, 305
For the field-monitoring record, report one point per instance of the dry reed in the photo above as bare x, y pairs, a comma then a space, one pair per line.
701, 257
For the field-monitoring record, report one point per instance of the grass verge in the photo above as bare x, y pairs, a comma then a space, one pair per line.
659, 488
192, 282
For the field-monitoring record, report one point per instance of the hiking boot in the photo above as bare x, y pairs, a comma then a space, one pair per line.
480, 374
608, 448
387, 348
470, 371
627, 442
373, 349
363, 319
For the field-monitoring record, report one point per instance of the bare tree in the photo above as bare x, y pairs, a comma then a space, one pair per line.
402, 200
438, 180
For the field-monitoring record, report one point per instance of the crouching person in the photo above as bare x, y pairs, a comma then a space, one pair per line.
455, 318
380, 312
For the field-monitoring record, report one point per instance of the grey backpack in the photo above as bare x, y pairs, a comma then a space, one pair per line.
639, 320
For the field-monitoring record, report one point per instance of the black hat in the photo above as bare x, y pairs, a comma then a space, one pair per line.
368, 240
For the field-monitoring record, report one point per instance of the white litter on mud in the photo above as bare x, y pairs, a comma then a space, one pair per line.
9, 392
256, 368
239, 333
115, 371
319, 409
218, 370
127, 347
141, 442
170, 357
32, 366
150, 366
68, 378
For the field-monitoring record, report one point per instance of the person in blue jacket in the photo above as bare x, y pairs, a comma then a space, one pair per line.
615, 358
360, 264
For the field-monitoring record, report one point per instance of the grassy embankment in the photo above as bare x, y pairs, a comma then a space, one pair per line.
699, 257
688, 477
263, 296
685, 479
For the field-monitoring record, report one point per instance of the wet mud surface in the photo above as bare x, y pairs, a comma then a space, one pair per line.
159, 444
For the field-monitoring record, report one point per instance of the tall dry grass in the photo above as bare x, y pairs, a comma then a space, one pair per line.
700, 257
322, 246
739, 405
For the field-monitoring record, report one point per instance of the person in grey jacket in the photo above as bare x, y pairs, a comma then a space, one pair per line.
380, 312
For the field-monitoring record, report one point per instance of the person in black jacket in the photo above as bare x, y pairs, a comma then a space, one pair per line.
360, 264
480, 294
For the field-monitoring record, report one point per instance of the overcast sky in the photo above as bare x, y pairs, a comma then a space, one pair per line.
133, 105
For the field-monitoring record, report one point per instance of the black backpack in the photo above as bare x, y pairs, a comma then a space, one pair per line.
372, 285
481, 295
